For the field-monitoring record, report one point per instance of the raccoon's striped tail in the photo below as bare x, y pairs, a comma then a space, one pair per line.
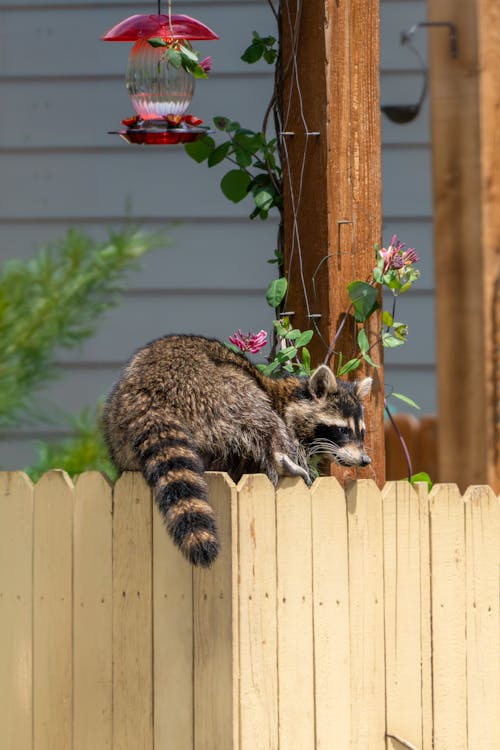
174, 470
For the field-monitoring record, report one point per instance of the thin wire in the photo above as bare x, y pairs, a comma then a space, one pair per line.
170, 18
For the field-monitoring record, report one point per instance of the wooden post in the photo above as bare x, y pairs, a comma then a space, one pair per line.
466, 150
332, 176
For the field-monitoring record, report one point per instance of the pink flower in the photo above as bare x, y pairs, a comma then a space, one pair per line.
395, 257
249, 342
206, 64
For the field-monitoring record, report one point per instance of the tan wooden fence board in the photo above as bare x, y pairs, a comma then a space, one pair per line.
172, 643
332, 680
258, 697
92, 614
52, 612
333, 619
366, 594
482, 550
132, 615
16, 586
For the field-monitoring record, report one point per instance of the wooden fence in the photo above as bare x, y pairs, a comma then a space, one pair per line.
332, 620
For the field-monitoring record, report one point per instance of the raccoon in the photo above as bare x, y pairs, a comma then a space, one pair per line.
186, 404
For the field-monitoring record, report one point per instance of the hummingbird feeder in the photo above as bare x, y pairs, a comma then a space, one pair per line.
161, 74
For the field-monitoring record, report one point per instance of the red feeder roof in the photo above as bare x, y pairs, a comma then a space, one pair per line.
148, 26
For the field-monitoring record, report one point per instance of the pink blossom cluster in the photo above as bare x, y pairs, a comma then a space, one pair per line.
396, 257
206, 64
249, 342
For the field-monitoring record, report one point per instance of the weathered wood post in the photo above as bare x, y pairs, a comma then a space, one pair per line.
332, 175
466, 165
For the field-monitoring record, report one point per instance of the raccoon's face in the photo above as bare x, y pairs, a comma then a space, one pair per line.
326, 417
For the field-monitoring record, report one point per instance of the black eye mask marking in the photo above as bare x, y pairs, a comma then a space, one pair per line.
337, 435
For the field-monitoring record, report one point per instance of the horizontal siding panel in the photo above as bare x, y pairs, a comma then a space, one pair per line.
143, 317
45, 186
202, 255
59, 113
407, 189
54, 114
66, 41
157, 182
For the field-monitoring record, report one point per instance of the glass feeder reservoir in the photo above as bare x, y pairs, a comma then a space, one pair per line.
160, 92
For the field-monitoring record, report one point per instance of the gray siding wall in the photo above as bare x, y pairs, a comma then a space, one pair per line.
61, 91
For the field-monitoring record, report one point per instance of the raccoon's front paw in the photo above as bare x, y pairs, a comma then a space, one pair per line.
288, 468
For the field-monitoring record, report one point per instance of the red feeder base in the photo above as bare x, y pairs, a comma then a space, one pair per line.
158, 138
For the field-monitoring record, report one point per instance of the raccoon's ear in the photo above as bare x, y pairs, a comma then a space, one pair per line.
363, 388
322, 382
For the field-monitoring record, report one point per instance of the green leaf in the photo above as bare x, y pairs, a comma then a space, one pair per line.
174, 58
276, 292
235, 184
390, 341
263, 199
198, 72
304, 338
421, 476
286, 354
406, 399
243, 158
189, 53
353, 364
270, 56
370, 361
364, 298
363, 342
387, 319
201, 149
270, 368
306, 360
253, 53
157, 41
218, 154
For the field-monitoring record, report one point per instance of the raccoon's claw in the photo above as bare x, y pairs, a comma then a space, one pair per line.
288, 468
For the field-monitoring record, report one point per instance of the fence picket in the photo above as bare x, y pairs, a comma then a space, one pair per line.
425, 616
448, 617
92, 610
402, 568
173, 642
482, 538
366, 610
132, 615
215, 622
257, 609
331, 615
52, 612
295, 627
16, 614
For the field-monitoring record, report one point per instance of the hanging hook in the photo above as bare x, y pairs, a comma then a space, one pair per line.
404, 113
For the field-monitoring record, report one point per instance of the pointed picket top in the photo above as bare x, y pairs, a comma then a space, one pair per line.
326, 484
254, 483
98, 479
399, 485
216, 477
479, 493
292, 484
57, 478
445, 487
11, 481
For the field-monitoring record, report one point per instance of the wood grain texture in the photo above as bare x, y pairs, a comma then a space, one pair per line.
425, 616
366, 610
258, 680
403, 612
53, 612
447, 527
16, 611
332, 679
332, 182
295, 622
216, 628
482, 536
466, 166
132, 614
172, 642
92, 613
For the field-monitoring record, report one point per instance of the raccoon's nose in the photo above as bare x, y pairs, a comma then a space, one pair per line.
365, 459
